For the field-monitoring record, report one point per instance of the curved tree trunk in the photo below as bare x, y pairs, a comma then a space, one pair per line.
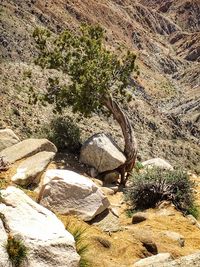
130, 148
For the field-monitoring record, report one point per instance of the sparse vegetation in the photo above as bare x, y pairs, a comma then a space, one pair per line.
150, 187
138, 166
81, 245
99, 78
16, 250
63, 132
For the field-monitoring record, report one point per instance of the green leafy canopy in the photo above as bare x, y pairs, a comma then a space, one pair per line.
96, 73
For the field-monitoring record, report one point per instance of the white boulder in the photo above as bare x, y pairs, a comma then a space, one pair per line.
3, 254
157, 162
45, 237
150, 261
30, 170
7, 138
100, 152
27, 148
68, 192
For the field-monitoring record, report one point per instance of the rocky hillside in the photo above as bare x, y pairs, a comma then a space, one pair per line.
164, 35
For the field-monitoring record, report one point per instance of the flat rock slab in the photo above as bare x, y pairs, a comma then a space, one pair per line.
30, 170
175, 237
100, 152
45, 237
150, 261
67, 192
26, 149
7, 138
157, 162
107, 222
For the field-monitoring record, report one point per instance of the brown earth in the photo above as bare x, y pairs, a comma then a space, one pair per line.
124, 247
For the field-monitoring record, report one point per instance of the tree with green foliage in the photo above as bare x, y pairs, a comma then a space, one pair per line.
99, 78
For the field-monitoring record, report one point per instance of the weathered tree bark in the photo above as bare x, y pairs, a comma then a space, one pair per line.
130, 147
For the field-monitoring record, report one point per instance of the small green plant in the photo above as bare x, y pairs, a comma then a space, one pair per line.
150, 187
138, 166
27, 74
194, 211
16, 250
63, 132
81, 246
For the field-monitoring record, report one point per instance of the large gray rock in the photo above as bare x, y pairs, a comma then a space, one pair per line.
100, 152
150, 261
68, 192
157, 162
30, 170
27, 148
7, 138
3, 254
45, 237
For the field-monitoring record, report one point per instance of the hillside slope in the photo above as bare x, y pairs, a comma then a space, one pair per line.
166, 38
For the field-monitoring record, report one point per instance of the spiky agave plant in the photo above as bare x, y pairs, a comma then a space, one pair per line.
81, 246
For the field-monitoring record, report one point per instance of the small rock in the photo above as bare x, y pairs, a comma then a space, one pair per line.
107, 191
176, 237
112, 187
157, 162
139, 217
107, 222
165, 212
149, 244
193, 220
159, 258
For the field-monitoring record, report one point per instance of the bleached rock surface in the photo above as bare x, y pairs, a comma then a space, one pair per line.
150, 261
68, 192
30, 170
157, 162
100, 152
27, 148
45, 237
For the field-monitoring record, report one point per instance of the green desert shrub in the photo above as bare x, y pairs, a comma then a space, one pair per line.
17, 251
81, 245
63, 132
148, 188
